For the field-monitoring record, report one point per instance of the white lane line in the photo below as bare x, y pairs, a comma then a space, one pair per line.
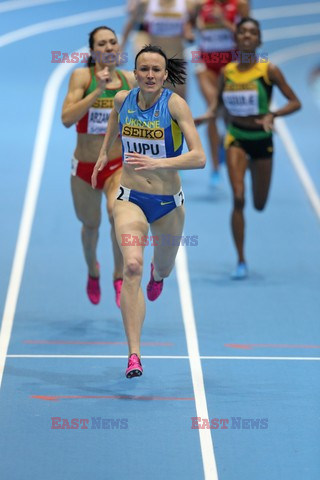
59, 23
113, 12
286, 11
291, 53
279, 57
296, 31
307, 183
206, 443
162, 357
167, 357
298, 165
19, 4
37, 165
260, 358
48, 106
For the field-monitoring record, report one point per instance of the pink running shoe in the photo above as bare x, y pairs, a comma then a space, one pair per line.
134, 366
154, 288
93, 289
117, 288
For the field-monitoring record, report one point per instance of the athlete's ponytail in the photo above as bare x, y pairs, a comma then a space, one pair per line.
176, 67
176, 71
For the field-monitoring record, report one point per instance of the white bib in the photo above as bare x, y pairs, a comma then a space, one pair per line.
166, 27
216, 40
98, 120
241, 103
144, 146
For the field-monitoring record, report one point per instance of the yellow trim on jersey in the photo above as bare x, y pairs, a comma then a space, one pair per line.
260, 69
176, 135
228, 139
168, 14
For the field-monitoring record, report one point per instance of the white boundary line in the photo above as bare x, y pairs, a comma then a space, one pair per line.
167, 357
286, 11
279, 57
48, 106
295, 31
19, 4
206, 442
113, 12
298, 164
258, 13
60, 23
36, 169
291, 53
258, 358
187, 307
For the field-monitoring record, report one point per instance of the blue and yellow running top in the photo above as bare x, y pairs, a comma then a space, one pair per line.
151, 132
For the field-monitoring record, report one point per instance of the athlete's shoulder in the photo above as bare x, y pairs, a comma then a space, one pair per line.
81, 73
122, 95
272, 72
120, 98
80, 78
129, 76
178, 107
174, 98
230, 69
271, 67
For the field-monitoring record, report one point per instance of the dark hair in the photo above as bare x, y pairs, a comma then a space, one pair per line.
176, 66
249, 19
91, 60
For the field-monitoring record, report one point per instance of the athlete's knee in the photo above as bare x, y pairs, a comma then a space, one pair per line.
163, 271
259, 203
238, 203
89, 221
259, 206
90, 227
133, 266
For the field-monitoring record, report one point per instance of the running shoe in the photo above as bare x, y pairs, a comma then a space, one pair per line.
154, 288
117, 288
215, 179
93, 289
241, 272
134, 366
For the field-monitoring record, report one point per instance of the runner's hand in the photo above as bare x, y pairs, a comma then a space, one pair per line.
266, 122
100, 164
103, 77
141, 162
204, 118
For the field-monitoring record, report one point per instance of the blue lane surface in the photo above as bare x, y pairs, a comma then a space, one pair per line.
148, 445
283, 393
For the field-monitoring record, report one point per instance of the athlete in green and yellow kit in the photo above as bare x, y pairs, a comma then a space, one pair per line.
246, 89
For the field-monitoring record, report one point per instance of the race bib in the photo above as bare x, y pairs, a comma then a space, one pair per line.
98, 120
216, 40
144, 147
241, 103
166, 28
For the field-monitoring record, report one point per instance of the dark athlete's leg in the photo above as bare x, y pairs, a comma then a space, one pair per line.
261, 171
237, 165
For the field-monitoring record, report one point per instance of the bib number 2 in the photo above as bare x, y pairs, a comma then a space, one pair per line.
121, 190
